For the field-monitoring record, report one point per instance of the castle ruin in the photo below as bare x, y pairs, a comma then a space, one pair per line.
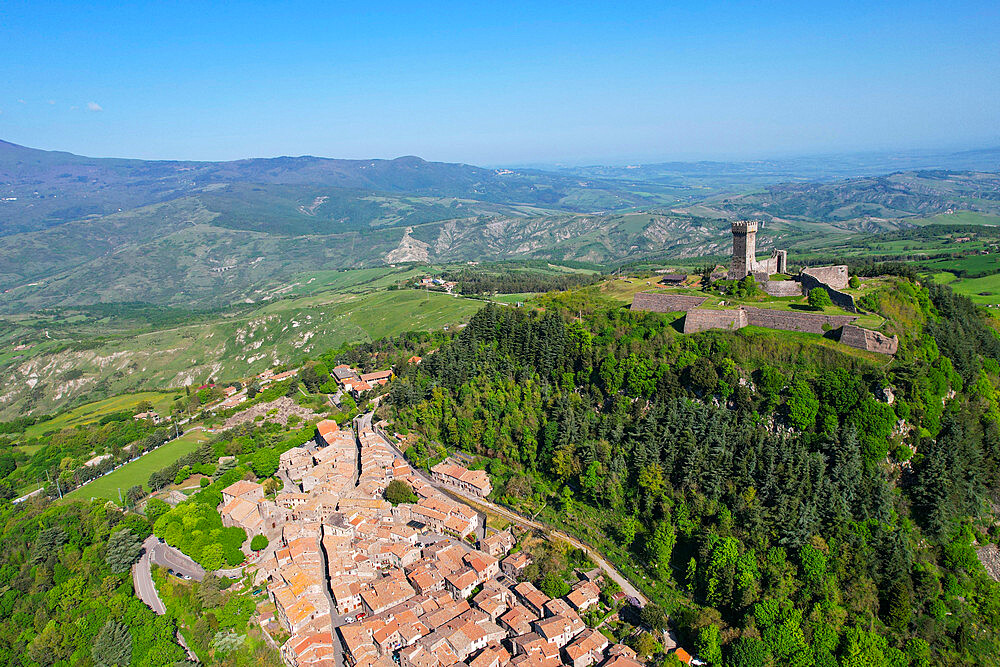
744, 262
833, 279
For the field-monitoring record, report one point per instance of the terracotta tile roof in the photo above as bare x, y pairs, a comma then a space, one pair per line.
242, 487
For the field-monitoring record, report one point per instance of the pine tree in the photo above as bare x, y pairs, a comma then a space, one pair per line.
123, 550
113, 646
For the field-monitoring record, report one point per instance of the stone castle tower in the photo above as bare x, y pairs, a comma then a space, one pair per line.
744, 261
744, 248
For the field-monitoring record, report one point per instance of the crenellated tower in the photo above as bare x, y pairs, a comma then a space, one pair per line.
744, 248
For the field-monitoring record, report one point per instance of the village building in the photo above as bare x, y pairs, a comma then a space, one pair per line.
476, 482
515, 564
498, 544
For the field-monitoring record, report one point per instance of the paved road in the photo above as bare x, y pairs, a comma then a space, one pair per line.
142, 579
478, 503
166, 556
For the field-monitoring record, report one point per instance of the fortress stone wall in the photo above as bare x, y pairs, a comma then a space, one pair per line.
703, 320
840, 299
832, 276
790, 321
782, 287
666, 303
866, 339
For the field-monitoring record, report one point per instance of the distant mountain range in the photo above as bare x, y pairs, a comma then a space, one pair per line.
80, 230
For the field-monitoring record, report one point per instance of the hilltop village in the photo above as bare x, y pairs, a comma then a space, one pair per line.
355, 580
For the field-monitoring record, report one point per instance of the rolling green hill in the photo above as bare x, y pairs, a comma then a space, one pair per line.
73, 356
77, 230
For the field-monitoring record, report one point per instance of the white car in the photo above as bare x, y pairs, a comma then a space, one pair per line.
349, 619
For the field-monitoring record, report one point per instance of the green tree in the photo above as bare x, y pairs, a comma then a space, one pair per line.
819, 298
654, 616
123, 550
553, 585
749, 652
264, 462
213, 557
645, 645
802, 405
709, 644
134, 494
661, 544
398, 491
627, 529
258, 542
155, 508
702, 376
7, 464
113, 646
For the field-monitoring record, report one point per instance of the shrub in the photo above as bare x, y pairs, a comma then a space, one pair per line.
818, 298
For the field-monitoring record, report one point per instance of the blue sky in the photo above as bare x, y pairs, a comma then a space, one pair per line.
501, 82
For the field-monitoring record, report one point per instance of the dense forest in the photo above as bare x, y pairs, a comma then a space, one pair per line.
787, 502
503, 280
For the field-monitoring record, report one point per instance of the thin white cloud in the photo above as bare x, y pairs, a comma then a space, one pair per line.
94, 106
21, 102
52, 101
74, 108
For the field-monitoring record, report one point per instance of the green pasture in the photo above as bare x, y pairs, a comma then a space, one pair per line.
138, 471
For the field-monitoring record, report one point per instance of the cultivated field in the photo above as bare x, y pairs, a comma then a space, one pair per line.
91, 412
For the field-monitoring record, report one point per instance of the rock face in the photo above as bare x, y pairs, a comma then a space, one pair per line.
666, 303
989, 556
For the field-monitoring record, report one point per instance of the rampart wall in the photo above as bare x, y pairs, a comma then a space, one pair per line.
833, 276
666, 303
866, 339
791, 321
782, 288
702, 320
839, 299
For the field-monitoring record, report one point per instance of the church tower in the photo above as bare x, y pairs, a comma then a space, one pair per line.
744, 249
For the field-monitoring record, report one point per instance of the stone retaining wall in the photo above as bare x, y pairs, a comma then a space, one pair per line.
840, 299
702, 320
789, 321
782, 288
666, 303
866, 339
